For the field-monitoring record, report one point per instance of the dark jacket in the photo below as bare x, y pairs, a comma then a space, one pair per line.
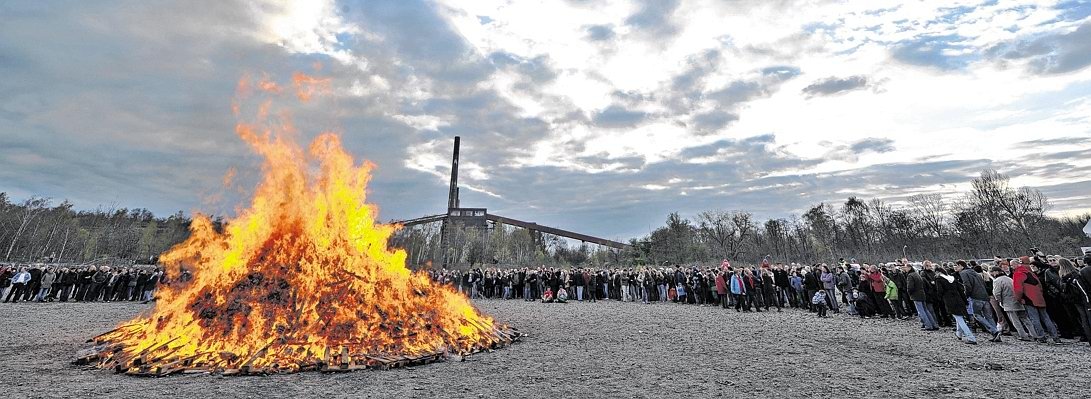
844, 282
1051, 282
5, 278
99, 277
951, 295
85, 276
974, 284
899, 281
69, 278
929, 277
781, 278
1085, 272
811, 282
1075, 292
915, 286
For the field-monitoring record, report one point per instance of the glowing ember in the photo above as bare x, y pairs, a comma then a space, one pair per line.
301, 280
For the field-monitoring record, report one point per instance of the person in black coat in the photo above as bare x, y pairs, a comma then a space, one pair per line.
953, 297
517, 283
530, 286
119, 292
98, 282
83, 283
903, 300
929, 275
916, 289
780, 280
865, 304
68, 283
35, 283
811, 284
141, 282
769, 290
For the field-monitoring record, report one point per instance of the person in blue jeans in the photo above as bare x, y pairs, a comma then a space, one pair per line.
914, 285
955, 302
829, 284
974, 286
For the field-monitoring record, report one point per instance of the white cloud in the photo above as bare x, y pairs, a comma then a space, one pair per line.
558, 99
306, 27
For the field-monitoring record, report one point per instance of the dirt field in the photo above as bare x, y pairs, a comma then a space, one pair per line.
606, 349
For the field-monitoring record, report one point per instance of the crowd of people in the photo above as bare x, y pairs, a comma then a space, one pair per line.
1032, 298
44, 283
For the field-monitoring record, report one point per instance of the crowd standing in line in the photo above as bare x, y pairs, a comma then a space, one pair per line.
1032, 298
42, 283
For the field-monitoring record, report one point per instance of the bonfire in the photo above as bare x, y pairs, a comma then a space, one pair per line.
303, 279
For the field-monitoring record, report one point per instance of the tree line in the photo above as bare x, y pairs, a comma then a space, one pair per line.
993, 218
36, 230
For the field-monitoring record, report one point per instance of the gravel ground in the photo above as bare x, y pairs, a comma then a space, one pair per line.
606, 349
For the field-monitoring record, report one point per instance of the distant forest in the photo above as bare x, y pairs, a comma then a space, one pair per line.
37, 230
993, 218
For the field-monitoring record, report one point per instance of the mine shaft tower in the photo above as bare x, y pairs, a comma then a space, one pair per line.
480, 218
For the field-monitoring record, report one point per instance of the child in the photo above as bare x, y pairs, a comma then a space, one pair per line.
562, 295
819, 302
547, 297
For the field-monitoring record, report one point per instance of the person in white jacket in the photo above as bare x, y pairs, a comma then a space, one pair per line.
18, 285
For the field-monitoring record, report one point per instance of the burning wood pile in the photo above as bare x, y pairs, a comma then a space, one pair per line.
302, 280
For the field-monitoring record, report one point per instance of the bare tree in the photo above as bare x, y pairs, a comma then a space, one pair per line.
727, 232
29, 210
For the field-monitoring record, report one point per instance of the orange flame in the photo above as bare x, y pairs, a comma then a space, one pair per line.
307, 86
306, 267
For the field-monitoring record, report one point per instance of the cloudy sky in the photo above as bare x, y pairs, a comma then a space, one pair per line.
598, 116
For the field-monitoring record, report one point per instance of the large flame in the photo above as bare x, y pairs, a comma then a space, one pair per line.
305, 270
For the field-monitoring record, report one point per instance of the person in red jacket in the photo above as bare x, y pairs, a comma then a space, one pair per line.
721, 289
1028, 289
878, 291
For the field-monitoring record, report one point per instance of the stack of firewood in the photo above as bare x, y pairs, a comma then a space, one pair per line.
163, 359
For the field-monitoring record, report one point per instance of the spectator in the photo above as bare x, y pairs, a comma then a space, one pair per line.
820, 301
974, 287
46, 284
18, 285
1076, 296
954, 299
915, 284
1004, 291
829, 284
1028, 289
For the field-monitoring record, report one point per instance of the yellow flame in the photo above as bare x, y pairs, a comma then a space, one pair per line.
305, 265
